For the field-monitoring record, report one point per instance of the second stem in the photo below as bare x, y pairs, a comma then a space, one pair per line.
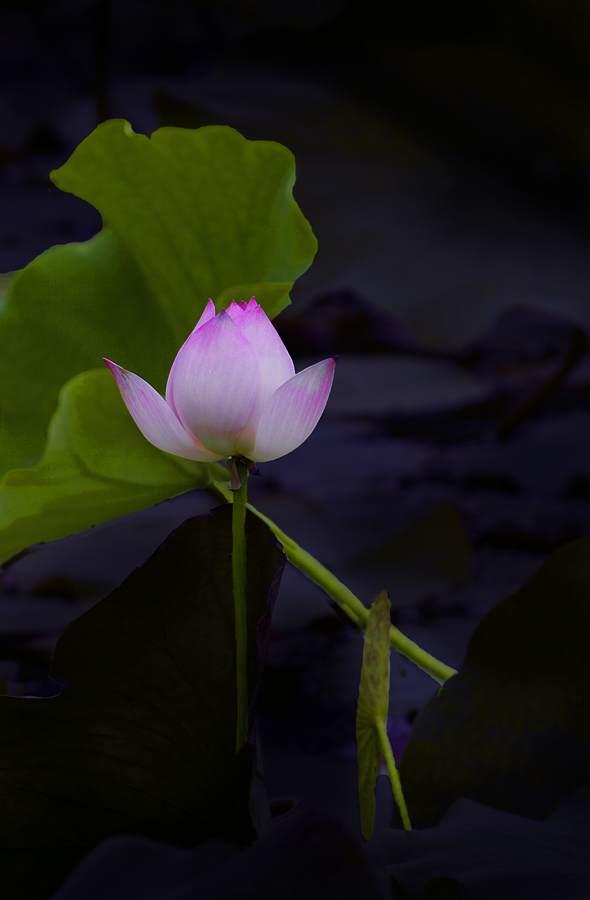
240, 610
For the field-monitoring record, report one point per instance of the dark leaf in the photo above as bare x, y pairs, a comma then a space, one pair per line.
511, 730
312, 857
141, 739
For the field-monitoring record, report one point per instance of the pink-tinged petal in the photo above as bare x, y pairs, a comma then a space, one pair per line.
206, 316
154, 418
293, 411
236, 311
214, 384
275, 366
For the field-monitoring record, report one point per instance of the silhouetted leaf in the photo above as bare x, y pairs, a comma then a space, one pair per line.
141, 739
311, 857
512, 729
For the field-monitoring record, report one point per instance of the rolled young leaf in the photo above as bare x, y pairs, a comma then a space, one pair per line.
371, 717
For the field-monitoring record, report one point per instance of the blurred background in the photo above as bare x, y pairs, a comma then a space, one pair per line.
443, 160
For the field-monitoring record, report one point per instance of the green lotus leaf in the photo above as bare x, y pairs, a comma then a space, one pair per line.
189, 215
70, 307
199, 210
97, 466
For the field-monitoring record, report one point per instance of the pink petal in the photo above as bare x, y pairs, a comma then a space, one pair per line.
214, 384
275, 366
236, 311
293, 412
207, 314
154, 418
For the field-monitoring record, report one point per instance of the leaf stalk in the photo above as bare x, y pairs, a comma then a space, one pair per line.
396, 785
348, 602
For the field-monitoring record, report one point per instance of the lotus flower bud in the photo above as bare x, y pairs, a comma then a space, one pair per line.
232, 391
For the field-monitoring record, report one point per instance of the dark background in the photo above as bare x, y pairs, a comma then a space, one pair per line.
443, 161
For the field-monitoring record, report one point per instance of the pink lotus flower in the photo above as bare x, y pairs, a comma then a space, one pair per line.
232, 391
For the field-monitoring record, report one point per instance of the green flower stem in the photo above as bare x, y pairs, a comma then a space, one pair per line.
241, 614
393, 774
347, 601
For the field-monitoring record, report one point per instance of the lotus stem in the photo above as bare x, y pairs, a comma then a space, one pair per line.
240, 609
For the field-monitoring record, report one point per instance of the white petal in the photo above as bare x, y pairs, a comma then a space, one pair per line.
293, 412
155, 419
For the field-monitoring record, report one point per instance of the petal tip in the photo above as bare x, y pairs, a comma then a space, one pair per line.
114, 367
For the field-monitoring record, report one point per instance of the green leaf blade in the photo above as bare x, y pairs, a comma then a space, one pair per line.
70, 307
191, 214
96, 466
198, 209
